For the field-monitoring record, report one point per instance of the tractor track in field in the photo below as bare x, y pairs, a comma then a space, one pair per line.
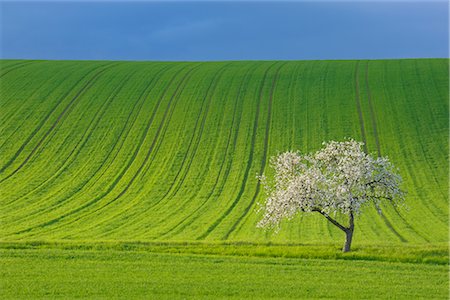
158, 132
57, 75
377, 141
11, 65
430, 205
60, 117
423, 150
43, 121
372, 111
264, 158
359, 109
122, 140
86, 135
195, 140
18, 127
17, 66
138, 172
213, 82
227, 171
140, 101
247, 169
166, 117
129, 163
363, 135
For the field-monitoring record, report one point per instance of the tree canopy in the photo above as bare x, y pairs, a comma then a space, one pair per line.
340, 178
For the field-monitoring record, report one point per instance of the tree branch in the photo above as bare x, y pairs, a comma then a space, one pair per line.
336, 223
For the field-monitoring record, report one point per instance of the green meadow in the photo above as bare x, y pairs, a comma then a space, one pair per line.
52, 273
138, 179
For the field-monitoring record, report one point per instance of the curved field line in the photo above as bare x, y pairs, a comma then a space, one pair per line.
160, 132
5, 121
358, 107
175, 187
371, 110
425, 96
43, 85
51, 130
155, 138
247, 169
377, 141
264, 158
86, 135
430, 205
210, 87
17, 66
47, 133
227, 171
196, 136
5, 64
43, 121
120, 175
140, 101
363, 135
139, 109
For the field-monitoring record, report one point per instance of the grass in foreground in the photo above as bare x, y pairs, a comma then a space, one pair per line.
427, 254
62, 273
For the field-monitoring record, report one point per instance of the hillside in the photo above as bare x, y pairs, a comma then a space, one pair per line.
97, 150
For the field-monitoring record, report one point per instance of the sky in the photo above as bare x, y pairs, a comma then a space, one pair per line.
223, 30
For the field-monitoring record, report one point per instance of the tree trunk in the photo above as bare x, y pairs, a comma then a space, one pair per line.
349, 233
348, 240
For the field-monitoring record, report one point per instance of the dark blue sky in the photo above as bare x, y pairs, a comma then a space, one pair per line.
150, 30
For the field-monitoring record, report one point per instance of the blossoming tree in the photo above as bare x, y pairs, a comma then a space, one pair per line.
339, 179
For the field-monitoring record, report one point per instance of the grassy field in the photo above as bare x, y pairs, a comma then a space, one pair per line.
51, 273
149, 155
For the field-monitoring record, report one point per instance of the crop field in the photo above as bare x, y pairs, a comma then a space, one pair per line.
153, 165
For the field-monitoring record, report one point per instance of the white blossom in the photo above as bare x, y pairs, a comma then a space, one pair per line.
339, 178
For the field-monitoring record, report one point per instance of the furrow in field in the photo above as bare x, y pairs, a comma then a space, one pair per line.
26, 80
398, 93
377, 141
13, 117
249, 162
81, 190
358, 107
44, 120
424, 94
130, 161
420, 153
6, 64
70, 158
230, 144
47, 133
154, 147
137, 106
155, 138
363, 135
371, 110
194, 140
16, 66
264, 158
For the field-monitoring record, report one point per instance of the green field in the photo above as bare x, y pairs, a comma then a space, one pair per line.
163, 153
133, 274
